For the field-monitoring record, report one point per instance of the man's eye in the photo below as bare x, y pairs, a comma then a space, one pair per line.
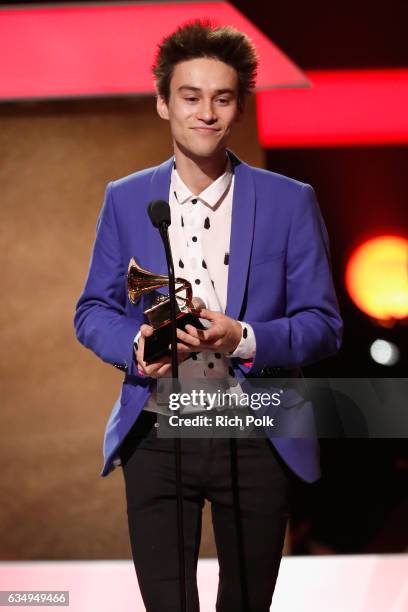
191, 99
223, 100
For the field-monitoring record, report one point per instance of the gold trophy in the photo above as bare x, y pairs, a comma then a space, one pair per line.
139, 283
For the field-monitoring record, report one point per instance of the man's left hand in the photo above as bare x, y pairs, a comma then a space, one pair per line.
223, 336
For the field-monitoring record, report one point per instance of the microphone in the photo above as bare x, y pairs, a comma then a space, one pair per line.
159, 213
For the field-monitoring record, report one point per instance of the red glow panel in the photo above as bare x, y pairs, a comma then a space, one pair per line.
347, 107
109, 49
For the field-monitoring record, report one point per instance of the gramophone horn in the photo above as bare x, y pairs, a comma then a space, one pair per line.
141, 281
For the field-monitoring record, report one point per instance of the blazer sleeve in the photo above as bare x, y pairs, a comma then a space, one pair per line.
312, 327
101, 321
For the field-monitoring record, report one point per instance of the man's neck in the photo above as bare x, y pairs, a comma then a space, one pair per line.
198, 174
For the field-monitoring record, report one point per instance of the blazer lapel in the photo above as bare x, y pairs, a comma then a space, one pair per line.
242, 233
159, 190
242, 229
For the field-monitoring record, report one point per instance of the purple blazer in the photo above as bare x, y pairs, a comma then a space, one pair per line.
279, 281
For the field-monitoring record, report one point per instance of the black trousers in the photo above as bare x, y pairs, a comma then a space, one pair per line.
211, 467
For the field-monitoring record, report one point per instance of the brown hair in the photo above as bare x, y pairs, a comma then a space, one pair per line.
199, 38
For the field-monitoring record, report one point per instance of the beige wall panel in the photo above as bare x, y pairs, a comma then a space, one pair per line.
55, 161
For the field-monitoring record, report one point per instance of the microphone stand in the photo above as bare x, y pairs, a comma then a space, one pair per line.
163, 229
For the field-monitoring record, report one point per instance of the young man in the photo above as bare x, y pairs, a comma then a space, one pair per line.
254, 247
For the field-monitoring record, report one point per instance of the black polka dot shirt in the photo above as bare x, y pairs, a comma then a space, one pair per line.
199, 236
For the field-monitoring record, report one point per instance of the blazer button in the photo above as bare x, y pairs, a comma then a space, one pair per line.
121, 366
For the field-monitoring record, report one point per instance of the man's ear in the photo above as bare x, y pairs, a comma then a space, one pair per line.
161, 107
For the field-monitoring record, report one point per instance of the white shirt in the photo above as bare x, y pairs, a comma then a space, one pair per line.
200, 237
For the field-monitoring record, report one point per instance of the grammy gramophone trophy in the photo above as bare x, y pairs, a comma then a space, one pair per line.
139, 283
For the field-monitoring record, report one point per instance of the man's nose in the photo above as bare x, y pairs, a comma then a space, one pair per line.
206, 112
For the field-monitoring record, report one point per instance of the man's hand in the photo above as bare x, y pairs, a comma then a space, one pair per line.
159, 368
223, 336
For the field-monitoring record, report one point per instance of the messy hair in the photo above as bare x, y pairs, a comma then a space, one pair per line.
199, 38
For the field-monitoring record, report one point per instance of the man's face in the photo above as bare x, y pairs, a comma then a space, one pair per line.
203, 106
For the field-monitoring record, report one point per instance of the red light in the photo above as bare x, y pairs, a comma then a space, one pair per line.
345, 107
109, 49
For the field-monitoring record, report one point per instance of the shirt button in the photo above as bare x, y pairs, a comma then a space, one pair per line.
194, 200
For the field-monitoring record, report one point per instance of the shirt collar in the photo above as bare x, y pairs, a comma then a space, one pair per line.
212, 196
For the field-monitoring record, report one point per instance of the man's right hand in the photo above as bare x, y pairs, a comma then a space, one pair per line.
159, 368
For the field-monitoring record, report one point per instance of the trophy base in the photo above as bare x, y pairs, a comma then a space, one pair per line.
157, 345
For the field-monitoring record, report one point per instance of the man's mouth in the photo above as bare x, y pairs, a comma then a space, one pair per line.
205, 129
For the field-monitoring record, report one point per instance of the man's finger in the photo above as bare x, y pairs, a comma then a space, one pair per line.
146, 330
183, 348
151, 369
186, 338
163, 370
210, 315
193, 331
209, 335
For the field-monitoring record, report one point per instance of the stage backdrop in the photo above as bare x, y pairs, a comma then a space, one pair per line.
56, 158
